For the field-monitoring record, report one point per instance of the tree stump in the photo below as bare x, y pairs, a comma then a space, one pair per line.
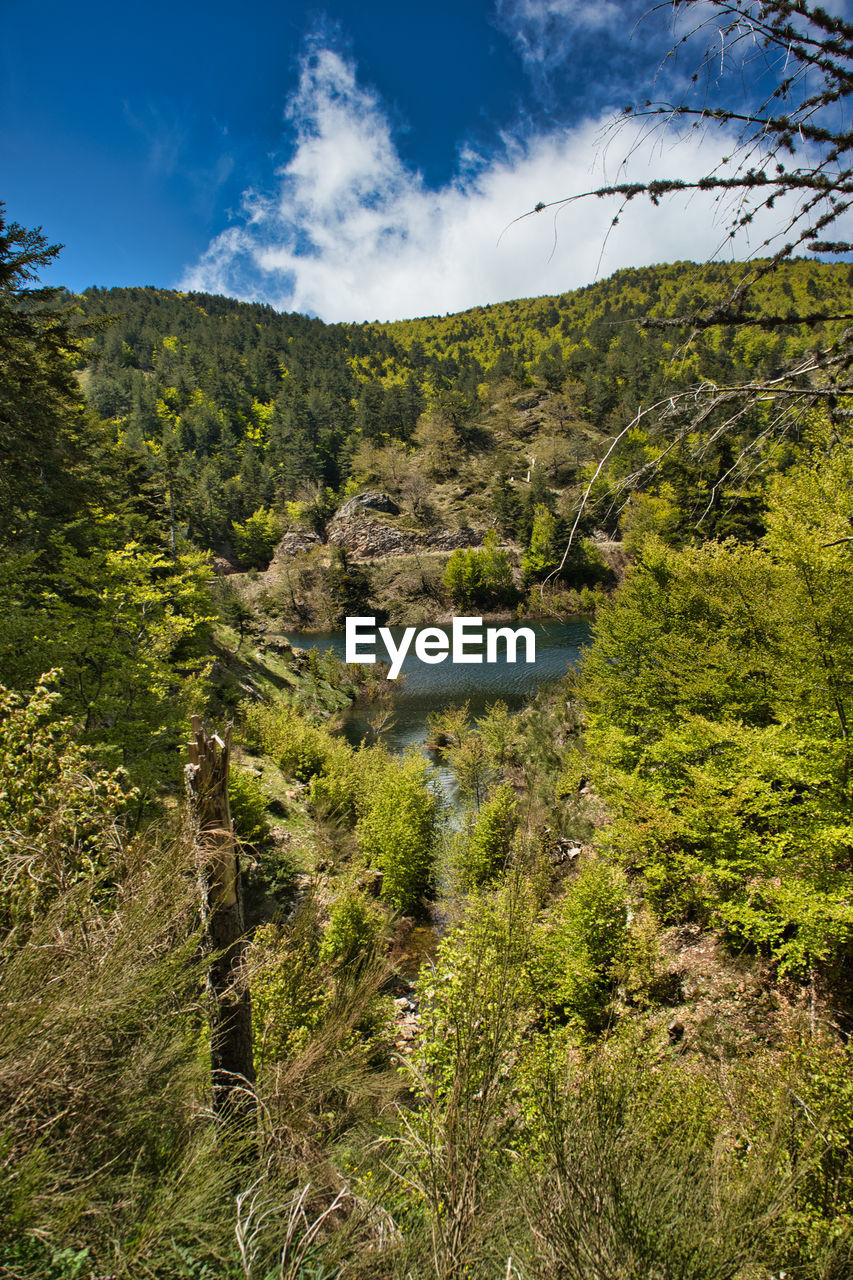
231, 1058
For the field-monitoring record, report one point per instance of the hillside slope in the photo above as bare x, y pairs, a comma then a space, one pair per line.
225, 409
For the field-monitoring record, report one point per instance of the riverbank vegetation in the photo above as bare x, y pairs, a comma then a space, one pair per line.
590, 1020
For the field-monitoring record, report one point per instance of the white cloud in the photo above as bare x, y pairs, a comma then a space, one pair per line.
352, 234
544, 31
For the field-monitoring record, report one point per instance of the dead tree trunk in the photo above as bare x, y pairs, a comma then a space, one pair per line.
232, 1065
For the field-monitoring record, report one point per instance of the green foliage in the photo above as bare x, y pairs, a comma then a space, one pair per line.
472, 766
544, 551
131, 642
582, 944
353, 931
486, 849
499, 733
718, 696
248, 805
475, 1005
103, 1157
342, 792
288, 999
397, 833
224, 408
53, 453
482, 577
239, 615
649, 514
448, 727
59, 814
256, 537
128, 626
815, 1233
300, 748
628, 1163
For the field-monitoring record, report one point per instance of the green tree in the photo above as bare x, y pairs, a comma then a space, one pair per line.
718, 700
582, 943
543, 553
397, 833
51, 446
463, 577
129, 630
472, 766
256, 538
58, 813
481, 576
486, 849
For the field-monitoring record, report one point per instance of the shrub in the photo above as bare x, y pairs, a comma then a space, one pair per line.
299, 748
586, 936
58, 812
480, 576
398, 831
353, 931
631, 1176
288, 997
485, 852
248, 806
340, 794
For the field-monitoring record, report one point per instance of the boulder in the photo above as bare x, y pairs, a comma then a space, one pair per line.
292, 543
370, 500
366, 539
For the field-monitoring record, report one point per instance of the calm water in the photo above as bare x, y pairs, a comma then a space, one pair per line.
431, 688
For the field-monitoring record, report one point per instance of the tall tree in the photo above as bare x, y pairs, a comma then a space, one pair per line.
49, 439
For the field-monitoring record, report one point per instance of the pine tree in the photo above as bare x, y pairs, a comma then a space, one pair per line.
50, 441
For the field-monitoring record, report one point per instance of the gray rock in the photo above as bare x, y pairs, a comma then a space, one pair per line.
370, 500
292, 543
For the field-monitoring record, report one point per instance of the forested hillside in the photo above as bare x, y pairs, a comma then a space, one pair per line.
595, 1022
228, 409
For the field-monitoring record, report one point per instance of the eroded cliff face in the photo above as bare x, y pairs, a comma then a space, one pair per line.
365, 538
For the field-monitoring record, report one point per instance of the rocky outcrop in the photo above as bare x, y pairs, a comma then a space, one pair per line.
292, 543
454, 540
366, 539
223, 567
612, 553
370, 500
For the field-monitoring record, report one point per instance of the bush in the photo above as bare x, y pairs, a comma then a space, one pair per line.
585, 938
630, 1175
397, 834
248, 806
480, 576
340, 794
299, 748
353, 932
288, 996
485, 852
58, 814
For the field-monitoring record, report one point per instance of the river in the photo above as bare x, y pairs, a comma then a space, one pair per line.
431, 688
423, 688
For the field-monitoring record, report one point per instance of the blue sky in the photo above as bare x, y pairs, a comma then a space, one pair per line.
355, 160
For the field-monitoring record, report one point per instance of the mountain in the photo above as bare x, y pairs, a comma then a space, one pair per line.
226, 407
